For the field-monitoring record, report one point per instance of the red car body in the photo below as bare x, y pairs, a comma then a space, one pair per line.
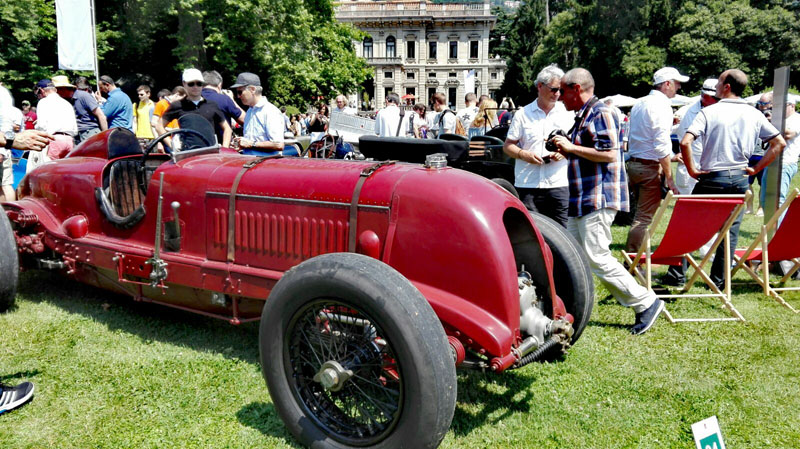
449, 232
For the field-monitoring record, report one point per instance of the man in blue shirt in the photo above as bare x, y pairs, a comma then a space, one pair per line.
212, 91
117, 108
263, 122
89, 116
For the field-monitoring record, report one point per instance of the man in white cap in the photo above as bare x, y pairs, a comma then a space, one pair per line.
194, 103
650, 150
56, 118
263, 121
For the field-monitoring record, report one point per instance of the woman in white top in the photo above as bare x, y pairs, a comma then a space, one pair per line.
418, 123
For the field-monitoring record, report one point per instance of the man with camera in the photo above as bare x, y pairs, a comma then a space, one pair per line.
540, 172
650, 150
598, 188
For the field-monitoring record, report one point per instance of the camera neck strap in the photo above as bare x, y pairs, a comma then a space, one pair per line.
580, 119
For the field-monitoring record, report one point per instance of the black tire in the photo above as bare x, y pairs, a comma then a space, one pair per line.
367, 317
9, 264
506, 185
571, 272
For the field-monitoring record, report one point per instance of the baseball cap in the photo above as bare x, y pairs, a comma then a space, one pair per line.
192, 75
26, 103
42, 84
246, 79
709, 87
62, 81
668, 73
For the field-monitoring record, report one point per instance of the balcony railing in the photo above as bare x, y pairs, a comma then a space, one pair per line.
384, 60
354, 10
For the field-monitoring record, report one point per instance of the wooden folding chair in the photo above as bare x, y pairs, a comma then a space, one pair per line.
695, 221
784, 245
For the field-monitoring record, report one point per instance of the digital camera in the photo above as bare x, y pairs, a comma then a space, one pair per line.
549, 145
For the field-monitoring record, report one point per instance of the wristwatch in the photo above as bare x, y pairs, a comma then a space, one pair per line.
9, 135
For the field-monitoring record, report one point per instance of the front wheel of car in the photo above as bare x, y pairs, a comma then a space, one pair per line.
571, 273
9, 264
354, 356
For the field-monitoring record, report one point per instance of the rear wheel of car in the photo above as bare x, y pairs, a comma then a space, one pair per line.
354, 356
504, 183
571, 272
9, 264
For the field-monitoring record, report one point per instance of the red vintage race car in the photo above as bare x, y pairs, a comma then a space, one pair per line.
373, 281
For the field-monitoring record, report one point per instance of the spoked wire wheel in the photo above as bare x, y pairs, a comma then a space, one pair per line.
344, 372
354, 356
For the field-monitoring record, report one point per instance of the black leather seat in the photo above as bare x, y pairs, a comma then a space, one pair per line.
409, 149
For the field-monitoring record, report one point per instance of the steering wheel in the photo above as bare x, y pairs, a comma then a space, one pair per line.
153, 143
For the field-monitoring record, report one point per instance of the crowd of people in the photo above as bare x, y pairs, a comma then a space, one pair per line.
571, 159
479, 115
579, 176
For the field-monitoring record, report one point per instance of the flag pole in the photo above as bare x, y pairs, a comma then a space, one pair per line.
94, 45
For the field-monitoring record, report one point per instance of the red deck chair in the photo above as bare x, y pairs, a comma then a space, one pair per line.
695, 219
784, 245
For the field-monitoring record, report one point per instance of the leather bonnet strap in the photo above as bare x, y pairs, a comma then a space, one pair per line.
366, 173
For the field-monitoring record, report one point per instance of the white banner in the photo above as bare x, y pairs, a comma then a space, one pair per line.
75, 36
469, 81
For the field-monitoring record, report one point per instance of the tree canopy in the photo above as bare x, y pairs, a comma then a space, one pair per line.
623, 43
296, 47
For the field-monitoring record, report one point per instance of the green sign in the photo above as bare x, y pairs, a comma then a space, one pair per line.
711, 442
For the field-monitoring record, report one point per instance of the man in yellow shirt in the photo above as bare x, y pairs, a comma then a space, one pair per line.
143, 114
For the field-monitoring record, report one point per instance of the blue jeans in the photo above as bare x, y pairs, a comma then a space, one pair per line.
787, 173
717, 185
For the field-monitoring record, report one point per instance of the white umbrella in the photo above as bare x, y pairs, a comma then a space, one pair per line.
680, 100
620, 101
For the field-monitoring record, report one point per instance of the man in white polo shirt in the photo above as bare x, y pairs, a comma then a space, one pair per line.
541, 175
650, 150
728, 130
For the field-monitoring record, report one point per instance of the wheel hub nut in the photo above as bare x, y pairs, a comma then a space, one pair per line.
332, 375
328, 378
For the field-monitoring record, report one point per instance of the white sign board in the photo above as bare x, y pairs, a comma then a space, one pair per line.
707, 434
469, 81
350, 126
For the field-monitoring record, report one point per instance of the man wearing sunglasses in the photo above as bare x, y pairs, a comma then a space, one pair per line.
263, 121
194, 103
117, 107
540, 176
598, 188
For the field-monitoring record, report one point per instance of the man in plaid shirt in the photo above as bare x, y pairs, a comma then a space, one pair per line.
598, 188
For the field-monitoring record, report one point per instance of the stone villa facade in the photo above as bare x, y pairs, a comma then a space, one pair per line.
420, 48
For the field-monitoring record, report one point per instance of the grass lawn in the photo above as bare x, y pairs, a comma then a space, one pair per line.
111, 373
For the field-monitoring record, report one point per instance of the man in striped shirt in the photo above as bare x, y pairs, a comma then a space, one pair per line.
598, 188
